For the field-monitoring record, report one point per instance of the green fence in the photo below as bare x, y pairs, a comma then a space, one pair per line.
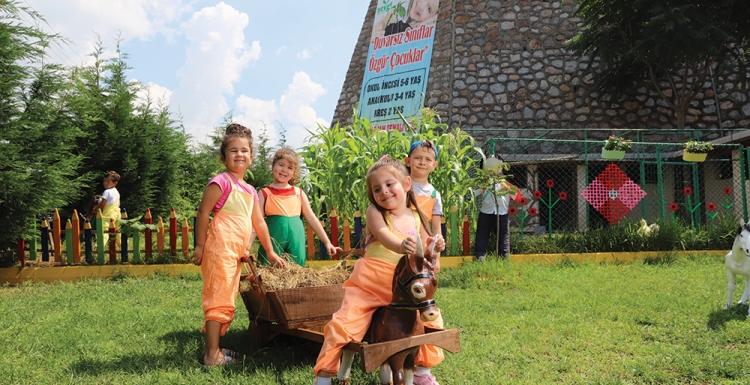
569, 186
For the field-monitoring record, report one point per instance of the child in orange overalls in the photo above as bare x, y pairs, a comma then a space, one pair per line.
421, 161
393, 219
220, 247
282, 203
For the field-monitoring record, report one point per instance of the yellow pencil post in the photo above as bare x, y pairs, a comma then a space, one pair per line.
346, 229
160, 236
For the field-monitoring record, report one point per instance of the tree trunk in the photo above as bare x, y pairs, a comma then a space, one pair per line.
679, 114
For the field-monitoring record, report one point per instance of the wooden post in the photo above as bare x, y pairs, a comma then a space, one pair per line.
112, 242
32, 244
347, 233
466, 234
334, 231
99, 238
358, 230
323, 251
45, 241
20, 251
310, 242
124, 240
160, 236
173, 232
185, 239
147, 219
195, 227
57, 236
137, 247
454, 230
76, 237
444, 231
69, 241
87, 235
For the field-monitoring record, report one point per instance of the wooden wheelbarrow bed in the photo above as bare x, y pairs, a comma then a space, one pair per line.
303, 312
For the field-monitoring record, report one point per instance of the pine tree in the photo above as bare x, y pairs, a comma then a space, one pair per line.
137, 139
37, 136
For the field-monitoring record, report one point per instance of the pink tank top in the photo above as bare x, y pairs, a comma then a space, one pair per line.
224, 181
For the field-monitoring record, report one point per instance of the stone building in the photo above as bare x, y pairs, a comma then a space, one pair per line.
504, 64
502, 69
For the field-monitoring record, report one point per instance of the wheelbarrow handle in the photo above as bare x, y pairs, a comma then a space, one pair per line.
252, 269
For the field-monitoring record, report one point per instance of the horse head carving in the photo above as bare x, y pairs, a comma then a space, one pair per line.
414, 283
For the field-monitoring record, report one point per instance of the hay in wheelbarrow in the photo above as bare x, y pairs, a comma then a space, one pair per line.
294, 276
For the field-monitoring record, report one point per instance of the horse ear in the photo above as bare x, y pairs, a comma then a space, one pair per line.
416, 262
431, 258
739, 230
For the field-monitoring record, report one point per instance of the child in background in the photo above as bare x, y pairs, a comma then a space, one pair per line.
109, 204
493, 211
393, 219
220, 247
282, 203
421, 161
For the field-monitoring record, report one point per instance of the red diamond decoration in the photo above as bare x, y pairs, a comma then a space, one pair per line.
613, 194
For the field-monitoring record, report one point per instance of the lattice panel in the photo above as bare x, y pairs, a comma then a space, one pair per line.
613, 194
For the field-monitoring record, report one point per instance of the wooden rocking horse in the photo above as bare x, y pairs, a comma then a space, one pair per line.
414, 284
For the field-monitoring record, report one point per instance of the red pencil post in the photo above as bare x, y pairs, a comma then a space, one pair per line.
147, 219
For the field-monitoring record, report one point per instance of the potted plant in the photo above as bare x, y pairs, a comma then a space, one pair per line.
696, 151
615, 147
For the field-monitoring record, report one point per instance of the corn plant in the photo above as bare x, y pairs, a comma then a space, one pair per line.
337, 160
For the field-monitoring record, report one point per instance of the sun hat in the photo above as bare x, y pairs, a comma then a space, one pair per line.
492, 164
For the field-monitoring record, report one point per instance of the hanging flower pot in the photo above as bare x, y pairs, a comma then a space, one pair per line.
693, 157
612, 154
696, 151
615, 147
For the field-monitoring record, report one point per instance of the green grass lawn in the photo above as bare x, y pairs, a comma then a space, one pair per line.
648, 322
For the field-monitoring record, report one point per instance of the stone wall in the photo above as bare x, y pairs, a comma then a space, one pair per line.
504, 64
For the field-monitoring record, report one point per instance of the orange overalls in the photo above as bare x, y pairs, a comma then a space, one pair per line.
367, 289
426, 203
228, 237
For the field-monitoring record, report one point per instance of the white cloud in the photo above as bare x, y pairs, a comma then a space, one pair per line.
258, 115
303, 55
296, 101
216, 55
159, 95
294, 111
80, 21
280, 50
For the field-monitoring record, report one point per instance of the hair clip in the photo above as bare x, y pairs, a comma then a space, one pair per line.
385, 156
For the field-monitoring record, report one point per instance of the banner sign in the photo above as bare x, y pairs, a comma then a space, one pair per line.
398, 62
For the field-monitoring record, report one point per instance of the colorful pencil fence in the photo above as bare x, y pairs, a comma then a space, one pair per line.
80, 242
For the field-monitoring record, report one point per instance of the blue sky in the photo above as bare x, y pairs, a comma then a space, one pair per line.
281, 63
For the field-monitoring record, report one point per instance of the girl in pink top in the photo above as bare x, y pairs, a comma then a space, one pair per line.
220, 247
